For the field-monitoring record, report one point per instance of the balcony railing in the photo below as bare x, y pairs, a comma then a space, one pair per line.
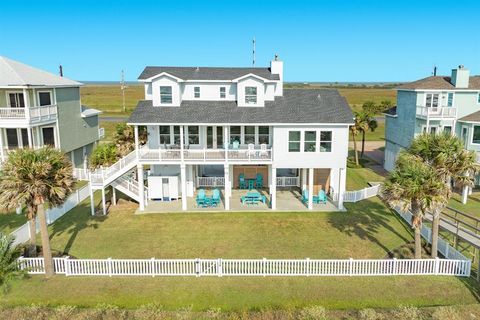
205, 155
436, 112
31, 115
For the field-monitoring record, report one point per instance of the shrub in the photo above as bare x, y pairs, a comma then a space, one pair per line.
369, 314
103, 155
64, 312
407, 313
313, 313
445, 313
150, 311
8, 261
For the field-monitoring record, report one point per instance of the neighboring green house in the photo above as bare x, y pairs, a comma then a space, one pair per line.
38, 108
434, 104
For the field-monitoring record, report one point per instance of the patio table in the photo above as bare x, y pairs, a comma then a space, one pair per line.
252, 198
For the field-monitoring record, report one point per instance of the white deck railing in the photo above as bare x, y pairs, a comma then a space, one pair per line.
249, 267
210, 182
33, 114
80, 174
103, 176
288, 182
437, 112
204, 155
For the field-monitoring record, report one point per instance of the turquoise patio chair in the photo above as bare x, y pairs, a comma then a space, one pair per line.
321, 198
215, 198
242, 182
305, 196
259, 180
201, 198
235, 145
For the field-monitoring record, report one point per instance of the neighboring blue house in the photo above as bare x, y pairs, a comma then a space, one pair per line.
434, 104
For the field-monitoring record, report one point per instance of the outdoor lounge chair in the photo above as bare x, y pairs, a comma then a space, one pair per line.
235, 145
263, 151
201, 198
305, 196
215, 198
259, 180
242, 182
321, 198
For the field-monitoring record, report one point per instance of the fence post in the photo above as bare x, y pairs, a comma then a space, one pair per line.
394, 271
109, 267
197, 267
152, 267
78, 197
264, 267
308, 267
219, 267
437, 265
350, 267
66, 263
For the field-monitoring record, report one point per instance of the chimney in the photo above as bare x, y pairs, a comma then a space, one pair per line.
460, 77
276, 67
60, 69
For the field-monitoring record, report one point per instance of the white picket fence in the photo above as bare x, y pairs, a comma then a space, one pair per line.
357, 195
248, 267
444, 247
22, 234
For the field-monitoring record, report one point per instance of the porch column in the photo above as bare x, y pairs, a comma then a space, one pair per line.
104, 205
92, 201
183, 183
30, 140
304, 179
2, 151
273, 188
141, 188
137, 151
181, 143
114, 196
341, 186
269, 178
465, 194
226, 191
310, 188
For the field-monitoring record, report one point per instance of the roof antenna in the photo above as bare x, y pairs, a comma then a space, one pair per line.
434, 70
253, 62
60, 69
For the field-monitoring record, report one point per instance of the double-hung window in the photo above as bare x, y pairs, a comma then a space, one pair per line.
294, 141
251, 95
431, 100
164, 135
450, 99
235, 133
196, 92
166, 94
310, 140
193, 135
16, 100
476, 135
223, 92
263, 134
325, 141
249, 134
176, 135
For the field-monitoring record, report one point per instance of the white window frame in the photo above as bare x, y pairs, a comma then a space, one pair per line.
471, 135
195, 89
195, 134
320, 141
478, 97
247, 96
7, 97
55, 141
314, 141
437, 128
431, 105
165, 94
453, 99
300, 142
224, 93
38, 97
164, 134
451, 129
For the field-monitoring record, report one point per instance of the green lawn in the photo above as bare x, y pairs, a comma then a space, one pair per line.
472, 206
109, 127
108, 98
11, 221
378, 134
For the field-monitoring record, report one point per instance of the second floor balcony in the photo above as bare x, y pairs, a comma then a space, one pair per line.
28, 115
436, 112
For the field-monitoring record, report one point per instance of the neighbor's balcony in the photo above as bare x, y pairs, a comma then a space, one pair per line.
256, 155
436, 112
28, 115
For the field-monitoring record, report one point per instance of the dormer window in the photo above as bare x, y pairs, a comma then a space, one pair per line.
251, 95
223, 92
166, 94
196, 92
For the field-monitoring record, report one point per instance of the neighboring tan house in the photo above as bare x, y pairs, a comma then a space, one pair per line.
38, 108
208, 127
434, 104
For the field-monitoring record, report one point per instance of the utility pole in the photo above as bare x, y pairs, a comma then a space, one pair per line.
123, 87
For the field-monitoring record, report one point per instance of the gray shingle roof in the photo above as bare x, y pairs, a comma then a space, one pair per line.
207, 73
295, 106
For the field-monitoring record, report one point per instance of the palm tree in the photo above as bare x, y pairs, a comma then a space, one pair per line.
9, 255
355, 130
416, 186
124, 138
33, 178
445, 153
366, 122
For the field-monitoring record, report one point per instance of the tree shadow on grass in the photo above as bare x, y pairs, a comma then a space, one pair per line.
365, 219
73, 222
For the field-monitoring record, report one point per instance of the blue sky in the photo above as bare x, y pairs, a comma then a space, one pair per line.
318, 41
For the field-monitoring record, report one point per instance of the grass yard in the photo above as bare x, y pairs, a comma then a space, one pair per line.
378, 134
109, 127
11, 221
472, 206
108, 98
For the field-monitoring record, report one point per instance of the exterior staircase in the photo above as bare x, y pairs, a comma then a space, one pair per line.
129, 186
102, 177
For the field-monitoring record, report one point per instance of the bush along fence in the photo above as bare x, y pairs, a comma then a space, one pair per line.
248, 267
22, 234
